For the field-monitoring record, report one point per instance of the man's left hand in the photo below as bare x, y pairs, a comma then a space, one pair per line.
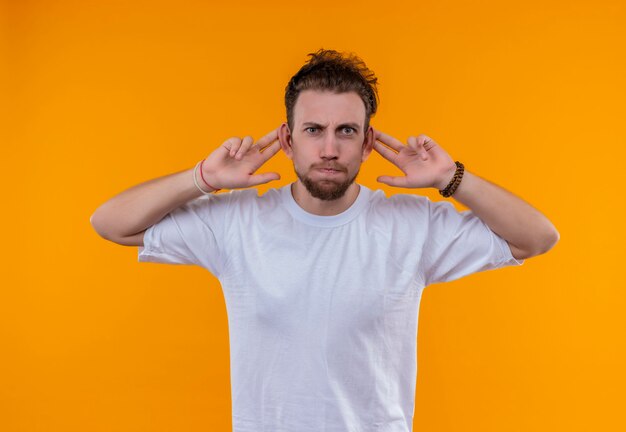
423, 161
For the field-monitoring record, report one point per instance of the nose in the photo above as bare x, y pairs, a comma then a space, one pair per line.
330, 149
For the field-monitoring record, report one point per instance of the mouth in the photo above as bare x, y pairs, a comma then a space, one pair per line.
329, 171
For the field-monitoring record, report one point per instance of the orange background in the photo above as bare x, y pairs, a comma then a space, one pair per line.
100, 95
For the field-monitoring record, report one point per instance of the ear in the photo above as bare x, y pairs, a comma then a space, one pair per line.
368, 143
284, 137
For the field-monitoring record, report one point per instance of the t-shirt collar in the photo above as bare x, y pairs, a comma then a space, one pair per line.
325, 221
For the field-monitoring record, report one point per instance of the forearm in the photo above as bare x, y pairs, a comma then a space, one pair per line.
527, 230
143, 205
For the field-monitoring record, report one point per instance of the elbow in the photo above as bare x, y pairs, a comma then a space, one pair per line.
554, 239
542, 244
97, 225
106, 231
548, 236
101, 227
548, 241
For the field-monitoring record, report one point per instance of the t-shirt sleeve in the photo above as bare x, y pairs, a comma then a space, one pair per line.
460, 243
189, 234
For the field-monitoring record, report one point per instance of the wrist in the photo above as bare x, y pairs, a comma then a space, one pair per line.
198, 180
205, 180
454, 183
445, 179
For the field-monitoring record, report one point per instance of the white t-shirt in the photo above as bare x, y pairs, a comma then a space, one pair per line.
323, 310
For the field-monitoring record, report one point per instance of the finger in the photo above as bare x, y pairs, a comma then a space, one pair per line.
417, 145
386, 152
245, 146
260, 157
232, 144
270, 151
267, 139
427, 142
258, 179
393, 181
389, 140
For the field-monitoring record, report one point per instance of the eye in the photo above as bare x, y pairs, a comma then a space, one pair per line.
348, 130
311, 129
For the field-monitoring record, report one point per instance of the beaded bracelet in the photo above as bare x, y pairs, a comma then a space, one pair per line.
455, 182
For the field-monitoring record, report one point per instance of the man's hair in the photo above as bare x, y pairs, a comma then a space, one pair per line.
337, 72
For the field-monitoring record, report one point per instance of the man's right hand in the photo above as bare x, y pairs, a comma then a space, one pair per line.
233, 164
124, 218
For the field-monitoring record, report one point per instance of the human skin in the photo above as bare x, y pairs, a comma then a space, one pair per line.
328, 133
425, 164
328, 144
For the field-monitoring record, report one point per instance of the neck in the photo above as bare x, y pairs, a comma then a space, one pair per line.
320, 207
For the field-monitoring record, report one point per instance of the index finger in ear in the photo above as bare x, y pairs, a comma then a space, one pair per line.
389, 141
267, 139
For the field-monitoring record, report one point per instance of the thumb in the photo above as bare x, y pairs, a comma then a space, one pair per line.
393, 181
258, 179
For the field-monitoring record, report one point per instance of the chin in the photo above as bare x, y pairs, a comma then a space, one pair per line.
325, 190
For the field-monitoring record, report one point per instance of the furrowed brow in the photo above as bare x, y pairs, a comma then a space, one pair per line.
313, 124
354, 126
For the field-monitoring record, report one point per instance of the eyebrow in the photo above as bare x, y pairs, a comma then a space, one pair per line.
354, 126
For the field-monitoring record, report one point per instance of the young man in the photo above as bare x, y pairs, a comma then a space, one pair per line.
323, 278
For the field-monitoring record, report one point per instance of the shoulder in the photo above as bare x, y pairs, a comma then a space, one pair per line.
380, 202
415, 208
251, 198
402, 215
247, 204
237, 197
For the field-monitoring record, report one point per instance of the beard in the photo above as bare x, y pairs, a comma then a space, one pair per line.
326, 190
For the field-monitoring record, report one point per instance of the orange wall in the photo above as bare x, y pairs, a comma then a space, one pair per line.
101, 95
